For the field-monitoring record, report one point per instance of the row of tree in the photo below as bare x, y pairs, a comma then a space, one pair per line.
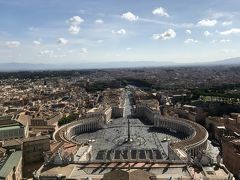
67, 119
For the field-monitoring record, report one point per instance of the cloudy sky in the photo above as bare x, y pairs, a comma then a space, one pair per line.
76, 31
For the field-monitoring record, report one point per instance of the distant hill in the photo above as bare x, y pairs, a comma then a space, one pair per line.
22, 67
124, 64
231, 61
101, 65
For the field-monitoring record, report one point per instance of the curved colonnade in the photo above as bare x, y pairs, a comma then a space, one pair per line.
68, 132
82, 126
197, 135
192, 145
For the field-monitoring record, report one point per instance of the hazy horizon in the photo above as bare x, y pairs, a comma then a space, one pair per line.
123, 61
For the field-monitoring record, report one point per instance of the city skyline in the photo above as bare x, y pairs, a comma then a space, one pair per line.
92, 31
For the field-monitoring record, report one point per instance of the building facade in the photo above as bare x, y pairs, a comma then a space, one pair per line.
34, 148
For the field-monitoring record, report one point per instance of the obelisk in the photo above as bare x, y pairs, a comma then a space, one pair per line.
129, 136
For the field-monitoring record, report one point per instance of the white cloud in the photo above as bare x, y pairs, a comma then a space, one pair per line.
76, 20
83, 51
129, 16
207, 23
128, 49
62, 41
187, 41
36, 43
221, 41
169, 34
99, 41
73, 29
207, 33
12, 44
224, 40
227, 23
120, 32
46, 52
188, 31
160, 12
99, 21
231, 31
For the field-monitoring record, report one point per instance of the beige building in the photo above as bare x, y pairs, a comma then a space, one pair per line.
24, 119
34, 147
46, 120
105, 112
215, 126
231, 144
192, 113
231, 155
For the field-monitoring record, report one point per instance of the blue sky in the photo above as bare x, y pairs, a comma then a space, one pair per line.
76, 31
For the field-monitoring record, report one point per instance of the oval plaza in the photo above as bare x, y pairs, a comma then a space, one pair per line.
135, 132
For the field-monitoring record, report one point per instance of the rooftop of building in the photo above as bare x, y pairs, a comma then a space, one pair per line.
132, 174
58, 170
213, 172
134, 171
35, 138
6, 117
23, 119
7, 124
12, 127
12, 142
151, 103
9, 162
113, 97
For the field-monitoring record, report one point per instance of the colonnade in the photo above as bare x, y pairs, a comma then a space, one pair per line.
196, 150
173, 124
196, 135
85, 125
